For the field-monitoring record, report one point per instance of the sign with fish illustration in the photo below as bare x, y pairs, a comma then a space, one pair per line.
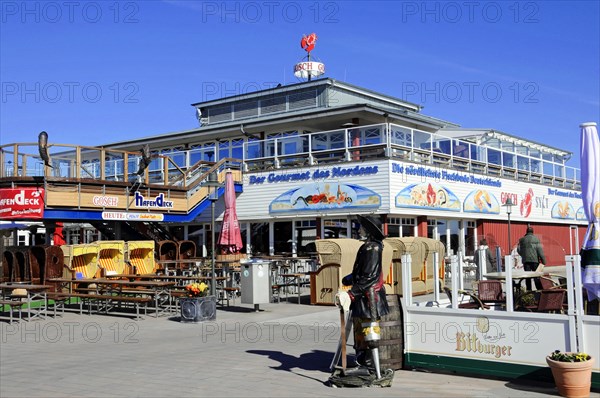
481, 201
563, 210
428, 195
325, 196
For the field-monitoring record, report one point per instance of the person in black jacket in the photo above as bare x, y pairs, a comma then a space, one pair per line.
532, 254
368, 302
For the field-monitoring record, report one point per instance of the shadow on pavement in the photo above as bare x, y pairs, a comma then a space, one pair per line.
528, 385
315, 360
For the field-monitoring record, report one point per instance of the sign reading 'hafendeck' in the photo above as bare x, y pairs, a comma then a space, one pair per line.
158, 202
21, 203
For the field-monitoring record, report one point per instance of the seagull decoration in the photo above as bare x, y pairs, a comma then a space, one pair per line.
145, 160
43, 148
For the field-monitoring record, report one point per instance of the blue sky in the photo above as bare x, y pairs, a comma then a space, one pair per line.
91, 73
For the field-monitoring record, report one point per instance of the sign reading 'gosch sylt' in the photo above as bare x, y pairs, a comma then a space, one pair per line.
21, 203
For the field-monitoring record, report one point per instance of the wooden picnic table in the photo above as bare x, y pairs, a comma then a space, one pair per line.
33, 293
159, 290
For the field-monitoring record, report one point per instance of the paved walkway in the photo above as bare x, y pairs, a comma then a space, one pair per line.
282, 351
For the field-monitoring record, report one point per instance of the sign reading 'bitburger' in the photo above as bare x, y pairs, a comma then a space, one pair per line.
22, 203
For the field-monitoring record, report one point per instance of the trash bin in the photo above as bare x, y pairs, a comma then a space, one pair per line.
255, 282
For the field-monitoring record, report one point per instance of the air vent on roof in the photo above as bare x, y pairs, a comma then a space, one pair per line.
245, 109
303, 99
219, 114
272, 105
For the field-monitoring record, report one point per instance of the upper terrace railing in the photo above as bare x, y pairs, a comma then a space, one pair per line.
378, 141
402, 143
80, 162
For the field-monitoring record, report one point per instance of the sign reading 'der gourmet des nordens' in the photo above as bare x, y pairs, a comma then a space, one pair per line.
21, 203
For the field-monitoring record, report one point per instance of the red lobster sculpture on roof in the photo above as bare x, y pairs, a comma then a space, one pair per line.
308, 42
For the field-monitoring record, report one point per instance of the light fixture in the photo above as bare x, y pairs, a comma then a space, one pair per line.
508, 204
212, 182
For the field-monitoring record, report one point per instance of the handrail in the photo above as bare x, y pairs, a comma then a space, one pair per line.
389, 141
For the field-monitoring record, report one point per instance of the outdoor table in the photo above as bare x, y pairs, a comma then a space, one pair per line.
197, 262
295, 276
34, 292
160, 290
517, 278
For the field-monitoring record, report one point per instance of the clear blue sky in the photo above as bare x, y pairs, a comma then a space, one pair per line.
92, 73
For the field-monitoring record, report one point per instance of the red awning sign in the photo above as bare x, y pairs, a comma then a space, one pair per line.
21, 203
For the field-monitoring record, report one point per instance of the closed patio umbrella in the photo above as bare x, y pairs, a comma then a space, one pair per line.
230, 239
590, 190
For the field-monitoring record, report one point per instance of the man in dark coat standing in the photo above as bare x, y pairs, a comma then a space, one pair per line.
531, 252
367, 294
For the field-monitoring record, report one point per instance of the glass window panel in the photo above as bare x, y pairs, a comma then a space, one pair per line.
535, 165
156, 163
523, 163
224, 149
442, 146
408, 230
195, 156
237, 152
270, 147
178, 157
254, 150
460, 149
547, 156
521, 150
508, 160
319, 142
209, 155
422, 140
548, 169
477, 153
493, 143
508, 146
559, 171
373, 135
337, 140
393, 231
401, 136
494, 157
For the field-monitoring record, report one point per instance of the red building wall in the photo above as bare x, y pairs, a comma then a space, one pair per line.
558, 240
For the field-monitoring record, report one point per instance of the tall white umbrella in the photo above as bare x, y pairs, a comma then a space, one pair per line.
590, 189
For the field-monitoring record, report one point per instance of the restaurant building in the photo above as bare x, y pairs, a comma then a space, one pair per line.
307, 158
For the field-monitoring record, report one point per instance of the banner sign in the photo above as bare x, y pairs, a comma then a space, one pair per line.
124, 216
21, 203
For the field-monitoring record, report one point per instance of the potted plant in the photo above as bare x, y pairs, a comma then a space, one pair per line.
198, 305
572, 372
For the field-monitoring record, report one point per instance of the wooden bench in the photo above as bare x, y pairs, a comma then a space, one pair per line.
59, 300
13, 306
109, 299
